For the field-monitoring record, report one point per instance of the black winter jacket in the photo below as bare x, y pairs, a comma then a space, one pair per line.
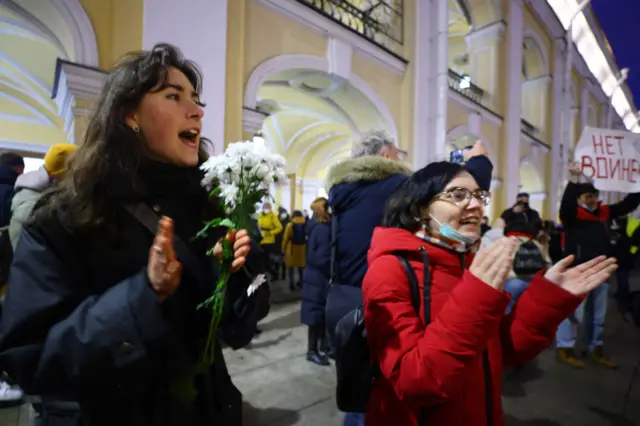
81, 320
587, 232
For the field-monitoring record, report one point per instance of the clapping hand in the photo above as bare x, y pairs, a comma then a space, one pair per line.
575, 169
163, 269
493, 264
583, 278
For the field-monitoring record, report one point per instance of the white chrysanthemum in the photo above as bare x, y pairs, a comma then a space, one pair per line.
245, 167
230, 194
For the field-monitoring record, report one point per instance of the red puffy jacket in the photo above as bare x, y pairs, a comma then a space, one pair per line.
440, 368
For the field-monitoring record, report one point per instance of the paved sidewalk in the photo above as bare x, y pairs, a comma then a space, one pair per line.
282, 389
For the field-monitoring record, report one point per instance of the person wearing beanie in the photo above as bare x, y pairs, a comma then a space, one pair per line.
30, 187
587, 236
530, 258
11, 166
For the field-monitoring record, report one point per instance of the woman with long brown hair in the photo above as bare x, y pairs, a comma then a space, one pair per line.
316, 280
101, 306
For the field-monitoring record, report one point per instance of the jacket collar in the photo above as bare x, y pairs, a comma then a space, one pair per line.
368, 168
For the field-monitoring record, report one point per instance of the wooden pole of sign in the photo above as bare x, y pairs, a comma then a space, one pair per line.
293, 190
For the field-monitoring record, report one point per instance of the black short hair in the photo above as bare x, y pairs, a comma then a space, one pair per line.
403, 207
523, 194
520, 226
297, 213
11, 159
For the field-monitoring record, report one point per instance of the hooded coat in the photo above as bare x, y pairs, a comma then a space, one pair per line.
82, 321
587, 232
28, 190
453, 367
359, 189
315, 282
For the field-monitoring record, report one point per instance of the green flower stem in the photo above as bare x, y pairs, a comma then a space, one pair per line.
216, 316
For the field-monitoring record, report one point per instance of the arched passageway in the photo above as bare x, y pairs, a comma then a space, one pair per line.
33, 36
313, 119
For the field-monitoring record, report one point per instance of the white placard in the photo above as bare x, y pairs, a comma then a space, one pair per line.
611, 158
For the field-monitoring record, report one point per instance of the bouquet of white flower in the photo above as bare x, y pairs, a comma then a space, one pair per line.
240, 178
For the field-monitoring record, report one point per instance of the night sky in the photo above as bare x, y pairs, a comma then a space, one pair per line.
620, 20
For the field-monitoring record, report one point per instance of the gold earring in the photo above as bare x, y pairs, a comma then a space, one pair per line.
135, 128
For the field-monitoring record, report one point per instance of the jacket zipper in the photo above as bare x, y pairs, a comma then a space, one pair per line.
486, 366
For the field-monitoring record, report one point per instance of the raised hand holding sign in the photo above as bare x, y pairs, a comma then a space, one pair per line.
611, 158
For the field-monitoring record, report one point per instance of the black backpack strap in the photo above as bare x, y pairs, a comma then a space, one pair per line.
149, 219
427, 286
413, 283
334, 249
415, 301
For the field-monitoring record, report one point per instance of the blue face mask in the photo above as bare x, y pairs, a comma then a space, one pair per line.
448, 231
584, 206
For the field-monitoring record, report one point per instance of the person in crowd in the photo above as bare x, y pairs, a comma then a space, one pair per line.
625, 238
522, 211
281, 266
586, 236
316, 281
359, 189
99, 307
270, 227
305, 214
448, 372
294, 247
11, 166
30, 187
529, 258
28, 190
556, 243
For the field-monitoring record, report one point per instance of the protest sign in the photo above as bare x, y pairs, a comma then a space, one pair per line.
611, 158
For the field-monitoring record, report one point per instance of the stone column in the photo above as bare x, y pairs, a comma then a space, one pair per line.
431, 81
557, 160
512, 133
76, 87
584, 106
206, 46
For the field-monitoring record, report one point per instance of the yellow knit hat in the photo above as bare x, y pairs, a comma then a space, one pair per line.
56, 158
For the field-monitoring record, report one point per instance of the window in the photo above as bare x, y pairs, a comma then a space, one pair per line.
31, 164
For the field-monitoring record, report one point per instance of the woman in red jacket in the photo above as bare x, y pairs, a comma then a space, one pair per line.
449, 372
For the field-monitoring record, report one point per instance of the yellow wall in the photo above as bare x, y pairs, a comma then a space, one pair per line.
456, 116
118, 25
387, 85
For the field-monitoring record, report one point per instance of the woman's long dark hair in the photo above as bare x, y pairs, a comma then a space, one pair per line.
403, 207
109, 143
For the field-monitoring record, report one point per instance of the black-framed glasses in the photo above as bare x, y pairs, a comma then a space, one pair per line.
462, 196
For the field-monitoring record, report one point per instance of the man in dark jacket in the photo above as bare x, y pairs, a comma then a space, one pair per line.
11, 166
522, 212
587, 236
625, 238
359, 188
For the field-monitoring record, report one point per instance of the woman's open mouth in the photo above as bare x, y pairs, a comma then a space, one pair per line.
190, 137
469, 221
